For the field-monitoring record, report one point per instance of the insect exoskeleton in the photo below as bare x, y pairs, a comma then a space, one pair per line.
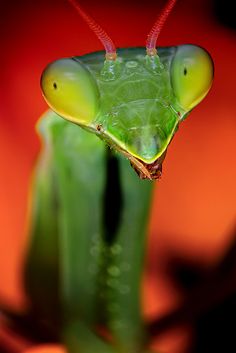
192, 73
134, 98
70, 90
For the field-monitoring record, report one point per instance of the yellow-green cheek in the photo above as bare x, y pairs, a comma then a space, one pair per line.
192, 75
71, 91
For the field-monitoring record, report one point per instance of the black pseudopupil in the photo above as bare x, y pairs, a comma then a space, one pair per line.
54, 85
185, 71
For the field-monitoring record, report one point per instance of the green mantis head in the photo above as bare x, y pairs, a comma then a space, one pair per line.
133, 101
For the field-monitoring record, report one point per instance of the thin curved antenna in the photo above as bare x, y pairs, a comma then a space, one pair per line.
100, 33
157, 27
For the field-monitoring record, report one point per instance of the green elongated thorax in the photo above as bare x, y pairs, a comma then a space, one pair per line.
82, 270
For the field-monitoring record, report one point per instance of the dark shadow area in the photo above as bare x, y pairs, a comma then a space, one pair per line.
225, 12
112, 198
215, 330
209, 304
27, 326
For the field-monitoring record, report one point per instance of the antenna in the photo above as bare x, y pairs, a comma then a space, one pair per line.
157, 27
97, 29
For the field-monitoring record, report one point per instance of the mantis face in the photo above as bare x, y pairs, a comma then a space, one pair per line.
134, 103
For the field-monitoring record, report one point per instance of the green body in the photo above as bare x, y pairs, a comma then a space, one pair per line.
76, 277
89, 208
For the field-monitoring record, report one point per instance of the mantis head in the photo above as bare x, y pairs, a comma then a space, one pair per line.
136, 98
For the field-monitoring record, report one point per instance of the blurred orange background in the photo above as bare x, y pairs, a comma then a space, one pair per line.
193, 213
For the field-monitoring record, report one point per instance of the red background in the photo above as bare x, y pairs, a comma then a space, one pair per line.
193, 212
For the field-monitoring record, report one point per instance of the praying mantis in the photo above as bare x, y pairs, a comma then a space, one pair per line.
89, 209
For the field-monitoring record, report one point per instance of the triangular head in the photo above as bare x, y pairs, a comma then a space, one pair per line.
134, 100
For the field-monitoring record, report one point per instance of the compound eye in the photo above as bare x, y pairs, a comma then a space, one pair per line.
192, 73
71, 91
